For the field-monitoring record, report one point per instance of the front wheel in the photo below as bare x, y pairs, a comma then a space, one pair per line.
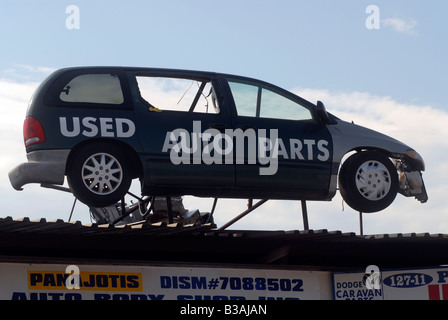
98, 175
368, 181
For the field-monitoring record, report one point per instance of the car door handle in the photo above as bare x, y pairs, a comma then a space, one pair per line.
221, 127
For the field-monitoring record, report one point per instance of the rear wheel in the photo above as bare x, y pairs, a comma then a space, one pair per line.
368, 181
98, 175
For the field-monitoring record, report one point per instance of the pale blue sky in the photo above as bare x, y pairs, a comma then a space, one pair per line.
315, 44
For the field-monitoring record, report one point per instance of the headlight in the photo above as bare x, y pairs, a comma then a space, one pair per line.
416, 160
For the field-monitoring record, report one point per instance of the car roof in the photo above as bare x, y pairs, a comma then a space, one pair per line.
135, 69
172, 72
168, 71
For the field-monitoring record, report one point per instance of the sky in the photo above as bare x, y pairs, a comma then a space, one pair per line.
384, 69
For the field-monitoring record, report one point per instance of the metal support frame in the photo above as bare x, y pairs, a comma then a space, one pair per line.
73, 209
134, 207
361, 231
250, 207
210, 216
305, 215
169, 208
243, 214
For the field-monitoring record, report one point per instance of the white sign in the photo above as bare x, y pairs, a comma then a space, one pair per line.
19, 281
412, 284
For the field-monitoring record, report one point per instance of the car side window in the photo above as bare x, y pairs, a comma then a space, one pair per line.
276, 106
93, 88
245, 97
257, 101
178, 94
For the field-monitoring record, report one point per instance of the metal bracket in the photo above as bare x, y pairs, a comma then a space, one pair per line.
126, 211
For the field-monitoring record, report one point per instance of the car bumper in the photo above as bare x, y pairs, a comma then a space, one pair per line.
44, 166
412, 185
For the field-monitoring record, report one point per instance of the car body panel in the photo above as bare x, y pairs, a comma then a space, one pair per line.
162, 171
46, 166
68, 124
349, 137
310, 150
305, 147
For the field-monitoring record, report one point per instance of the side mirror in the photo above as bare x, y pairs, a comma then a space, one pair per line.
322, 115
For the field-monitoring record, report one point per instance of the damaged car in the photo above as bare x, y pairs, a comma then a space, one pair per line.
205, 134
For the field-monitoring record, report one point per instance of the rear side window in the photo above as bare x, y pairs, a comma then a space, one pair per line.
93, 88
86, 90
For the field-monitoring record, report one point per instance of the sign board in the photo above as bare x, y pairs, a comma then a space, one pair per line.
400, 284
20, 281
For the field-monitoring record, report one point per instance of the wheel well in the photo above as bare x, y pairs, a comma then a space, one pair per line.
128, 151
383, 151
361, 149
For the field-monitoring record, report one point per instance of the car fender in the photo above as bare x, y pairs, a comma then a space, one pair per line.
348, 137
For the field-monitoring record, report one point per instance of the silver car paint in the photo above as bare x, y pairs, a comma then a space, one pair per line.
43, 166
348, 137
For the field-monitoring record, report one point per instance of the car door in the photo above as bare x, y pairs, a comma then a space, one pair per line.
293, 150
173, 111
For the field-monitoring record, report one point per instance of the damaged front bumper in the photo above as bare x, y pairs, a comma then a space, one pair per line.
412, 185
411, 182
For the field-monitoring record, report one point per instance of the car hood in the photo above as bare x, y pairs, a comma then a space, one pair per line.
348, 136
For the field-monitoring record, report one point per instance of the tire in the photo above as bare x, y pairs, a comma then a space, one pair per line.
368, 181
98, 175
